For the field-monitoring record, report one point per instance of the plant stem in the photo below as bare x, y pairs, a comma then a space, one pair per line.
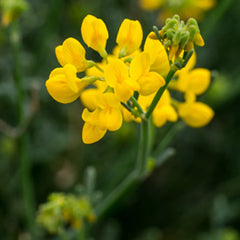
136, 104
23, 142
139, 172
116, 195
134, 178
143, 149
160, 92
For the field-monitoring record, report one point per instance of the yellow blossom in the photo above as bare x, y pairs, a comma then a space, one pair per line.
195, 81
150, 4
149, 81
107, 116
158, 56
195, 114
164, 111
95, 34
117, 76
186, 9
71, 51
129, 37
64, 85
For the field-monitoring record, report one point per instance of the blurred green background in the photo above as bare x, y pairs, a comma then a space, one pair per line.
195, 195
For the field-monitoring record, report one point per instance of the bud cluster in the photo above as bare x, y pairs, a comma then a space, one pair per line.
178, 36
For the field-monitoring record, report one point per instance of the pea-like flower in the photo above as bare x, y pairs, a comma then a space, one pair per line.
130, 83
64, 85
106, 116
195, 114
117, 77
72, 52
129, 37
149, 81
95, 34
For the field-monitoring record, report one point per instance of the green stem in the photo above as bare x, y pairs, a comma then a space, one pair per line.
143, 149
160, 92
23, 142
136, 104
134, 178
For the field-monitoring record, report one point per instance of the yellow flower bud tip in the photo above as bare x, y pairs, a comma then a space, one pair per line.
173, 51
94, 33
198, 40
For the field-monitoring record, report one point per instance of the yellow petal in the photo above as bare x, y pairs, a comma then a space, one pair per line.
111, 118
89, 98
205, 4
150, 4
123, 92
150, 83
115, 72
71, 76
92, 133
130, 35
63, 84
158, 56
71, 51
109, 100
59, 89
198, 40
140, 65
94, 33
198, 80
195, 114
163, 114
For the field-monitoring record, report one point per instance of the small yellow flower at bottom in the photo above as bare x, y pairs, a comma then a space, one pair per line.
107, 116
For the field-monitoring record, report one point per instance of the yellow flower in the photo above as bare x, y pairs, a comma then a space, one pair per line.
117, 76
64, 85
195, 114
195, 81
164, 111
129, 37
72, 52
186, 9
149, 81
107, 116
150, 4
95, 34
158, 56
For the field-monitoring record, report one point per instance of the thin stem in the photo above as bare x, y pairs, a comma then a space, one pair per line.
23, 142
136, 104
134, 178
143, 149
116, 195
160, 92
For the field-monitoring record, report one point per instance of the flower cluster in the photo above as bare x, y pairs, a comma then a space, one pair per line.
123, 86
185, 8
62, 210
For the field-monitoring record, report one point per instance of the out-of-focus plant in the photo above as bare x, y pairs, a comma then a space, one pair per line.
185, 8
11, 11
131, 84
